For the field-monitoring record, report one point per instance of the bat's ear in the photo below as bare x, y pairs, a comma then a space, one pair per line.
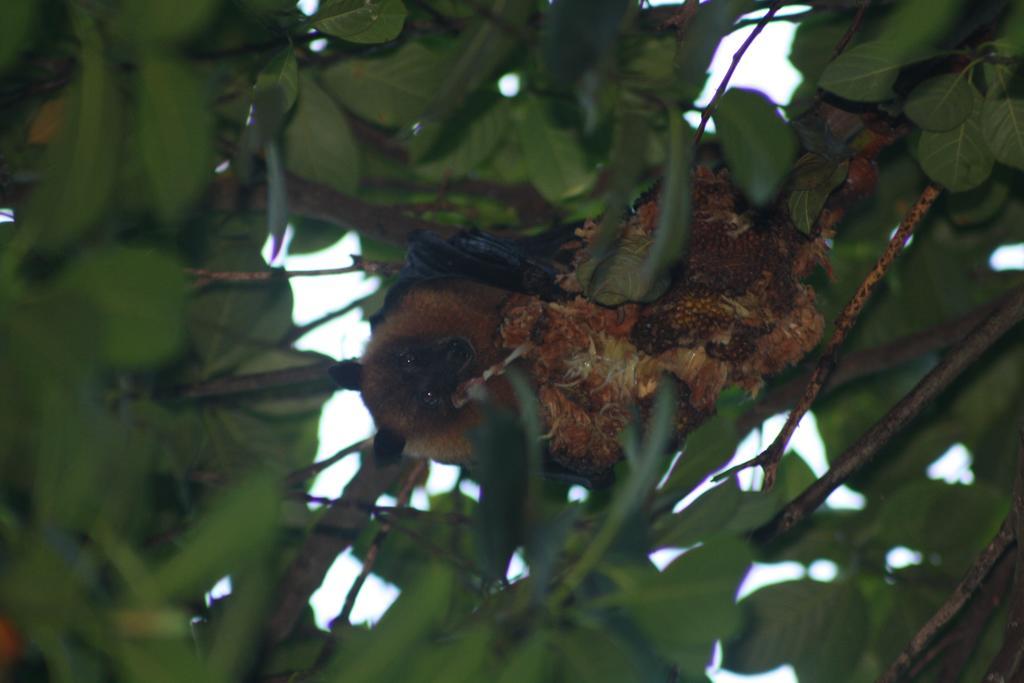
387, 447
347, 374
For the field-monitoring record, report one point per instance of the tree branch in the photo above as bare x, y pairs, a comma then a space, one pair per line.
318, 552
870, 361
867, 446
314, 200
769, 458
1008, 664
259, 381
974, 578
737, 56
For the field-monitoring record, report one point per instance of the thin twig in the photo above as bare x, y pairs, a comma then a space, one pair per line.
854, 27
311, 562
412, 476
299, 476
256, 382
1008, 664
769, 458
710, 108
962, 356
974, 578
359, 264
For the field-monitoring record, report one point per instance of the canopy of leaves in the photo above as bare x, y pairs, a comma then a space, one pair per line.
157, 425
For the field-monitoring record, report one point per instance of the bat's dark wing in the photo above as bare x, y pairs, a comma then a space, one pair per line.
529, 265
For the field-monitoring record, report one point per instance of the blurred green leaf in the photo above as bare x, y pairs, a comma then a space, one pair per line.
409, 621
164, 21
361, 21
554, 157
959, 158
481, 47
942, 102
281, 75
758, 145
392, 90
673, 231
140, 295
812, 180
500, 448
980, 204
239, 528
796, 622
1002, 124
864, 73
915, 26
16, 23
469, 137
712, 22
578, 34
530, 661
318, 141
175, 131
80, 168
702, 581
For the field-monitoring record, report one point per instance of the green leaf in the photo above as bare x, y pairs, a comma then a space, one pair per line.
81, 165
164, 21
578, 34
864, 73
712, 22
805, 204
500, 449
175, 130
229, 323
941, 103
361, 21
704, 517
672, 235
392, 90
528, 662
318, 141
980, 204
959, 158
1002, 124
240, 526
16, 23
409, 621
759, 146
820, 628
554, 157
281, 75
701, 582
140, 295
481, 48
915, 26
465, 141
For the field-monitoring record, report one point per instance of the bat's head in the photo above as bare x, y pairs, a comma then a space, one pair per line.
413, 374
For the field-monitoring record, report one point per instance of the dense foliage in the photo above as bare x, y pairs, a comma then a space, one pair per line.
157, 427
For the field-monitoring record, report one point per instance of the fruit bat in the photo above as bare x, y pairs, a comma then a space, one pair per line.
594, 348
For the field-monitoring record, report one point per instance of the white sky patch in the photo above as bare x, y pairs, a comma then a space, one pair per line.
765, 66
577, 494
442, 478
1007, 257
371, 603
663, 557
318, 45
309, 7
221, 589
901, 557
509, 84
953, 466
783, 674
823, 570
765, 574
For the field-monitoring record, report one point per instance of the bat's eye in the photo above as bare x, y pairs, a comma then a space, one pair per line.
458, 351
408, 359
429, 398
